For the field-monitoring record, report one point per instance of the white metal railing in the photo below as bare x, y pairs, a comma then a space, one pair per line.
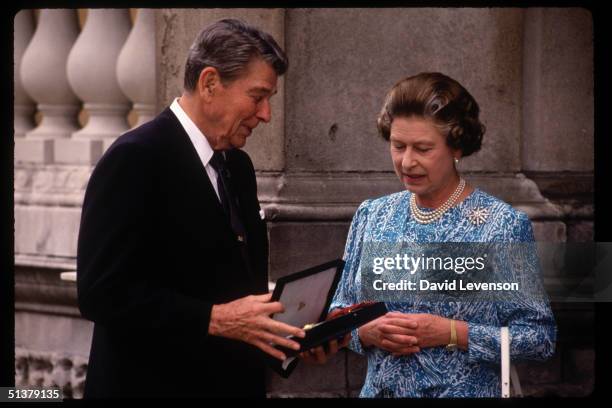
509, 375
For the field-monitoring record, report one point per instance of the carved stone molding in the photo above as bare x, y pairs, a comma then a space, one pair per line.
40, 290
302, 196
50, 369
335, 196
51, 185
47, 196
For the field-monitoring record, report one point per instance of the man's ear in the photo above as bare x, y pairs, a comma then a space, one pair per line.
207, 83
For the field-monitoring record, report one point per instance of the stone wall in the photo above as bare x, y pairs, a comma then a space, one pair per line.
529, 69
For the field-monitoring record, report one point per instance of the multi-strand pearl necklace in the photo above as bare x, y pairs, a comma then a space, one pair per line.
426, 217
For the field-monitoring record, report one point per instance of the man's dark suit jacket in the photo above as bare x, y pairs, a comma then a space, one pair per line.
155, 252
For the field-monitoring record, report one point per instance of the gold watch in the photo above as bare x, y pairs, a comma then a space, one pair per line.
452, 345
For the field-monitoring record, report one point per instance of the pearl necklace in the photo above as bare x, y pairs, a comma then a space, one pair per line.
426, 217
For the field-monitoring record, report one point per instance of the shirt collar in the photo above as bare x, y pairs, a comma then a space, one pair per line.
196, 136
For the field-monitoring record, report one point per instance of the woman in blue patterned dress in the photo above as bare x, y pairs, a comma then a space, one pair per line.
438, 349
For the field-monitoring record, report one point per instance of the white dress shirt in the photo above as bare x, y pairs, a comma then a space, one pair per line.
205, 152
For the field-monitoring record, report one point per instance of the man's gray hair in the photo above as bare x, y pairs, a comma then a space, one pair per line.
229, 45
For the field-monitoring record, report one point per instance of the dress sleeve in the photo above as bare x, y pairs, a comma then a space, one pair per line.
528, 317
347, 292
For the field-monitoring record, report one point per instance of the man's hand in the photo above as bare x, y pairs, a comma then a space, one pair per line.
319, 355
391, 333
248, 319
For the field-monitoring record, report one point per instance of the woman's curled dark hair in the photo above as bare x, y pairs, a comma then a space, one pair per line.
441, 99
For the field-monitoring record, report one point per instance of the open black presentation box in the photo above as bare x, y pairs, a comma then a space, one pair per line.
306, 296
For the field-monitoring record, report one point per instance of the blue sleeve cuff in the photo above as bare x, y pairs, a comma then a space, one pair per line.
526, 343
484, 343
355, 343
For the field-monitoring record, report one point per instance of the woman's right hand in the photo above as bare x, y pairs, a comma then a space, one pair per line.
390, 333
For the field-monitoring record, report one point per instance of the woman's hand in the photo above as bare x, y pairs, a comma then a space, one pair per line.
391, 333
430, 330
407, 333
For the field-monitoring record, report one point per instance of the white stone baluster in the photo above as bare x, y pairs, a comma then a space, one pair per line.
24, 107
43, 76
136, 66
92, 76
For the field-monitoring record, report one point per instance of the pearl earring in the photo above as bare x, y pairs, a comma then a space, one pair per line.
456, 161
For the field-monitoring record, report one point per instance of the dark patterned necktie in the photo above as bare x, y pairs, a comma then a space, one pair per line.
226, 194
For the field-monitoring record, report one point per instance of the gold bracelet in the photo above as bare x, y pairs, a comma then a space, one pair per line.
452, 345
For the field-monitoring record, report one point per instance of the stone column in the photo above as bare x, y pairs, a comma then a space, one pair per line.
43, 75
557, 148
558, 91
92, 75
24, 107
136, 66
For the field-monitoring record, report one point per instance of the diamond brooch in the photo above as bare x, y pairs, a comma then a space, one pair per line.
478, 215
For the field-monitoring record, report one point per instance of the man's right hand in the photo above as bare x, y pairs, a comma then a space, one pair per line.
248, 319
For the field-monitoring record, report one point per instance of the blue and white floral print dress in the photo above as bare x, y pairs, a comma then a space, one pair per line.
435, 371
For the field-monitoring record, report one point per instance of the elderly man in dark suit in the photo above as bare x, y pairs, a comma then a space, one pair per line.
172, 250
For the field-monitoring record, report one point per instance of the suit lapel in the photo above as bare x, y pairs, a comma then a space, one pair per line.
235, 183
186, 158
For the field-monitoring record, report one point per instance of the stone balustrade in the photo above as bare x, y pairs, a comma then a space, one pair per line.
43, 77
24, 105
136, 66
98, 69
106, 69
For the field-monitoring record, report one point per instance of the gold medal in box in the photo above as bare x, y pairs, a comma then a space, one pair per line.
309, 326
337, 325
341, 312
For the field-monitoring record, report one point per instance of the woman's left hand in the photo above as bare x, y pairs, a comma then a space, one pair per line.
431, 330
